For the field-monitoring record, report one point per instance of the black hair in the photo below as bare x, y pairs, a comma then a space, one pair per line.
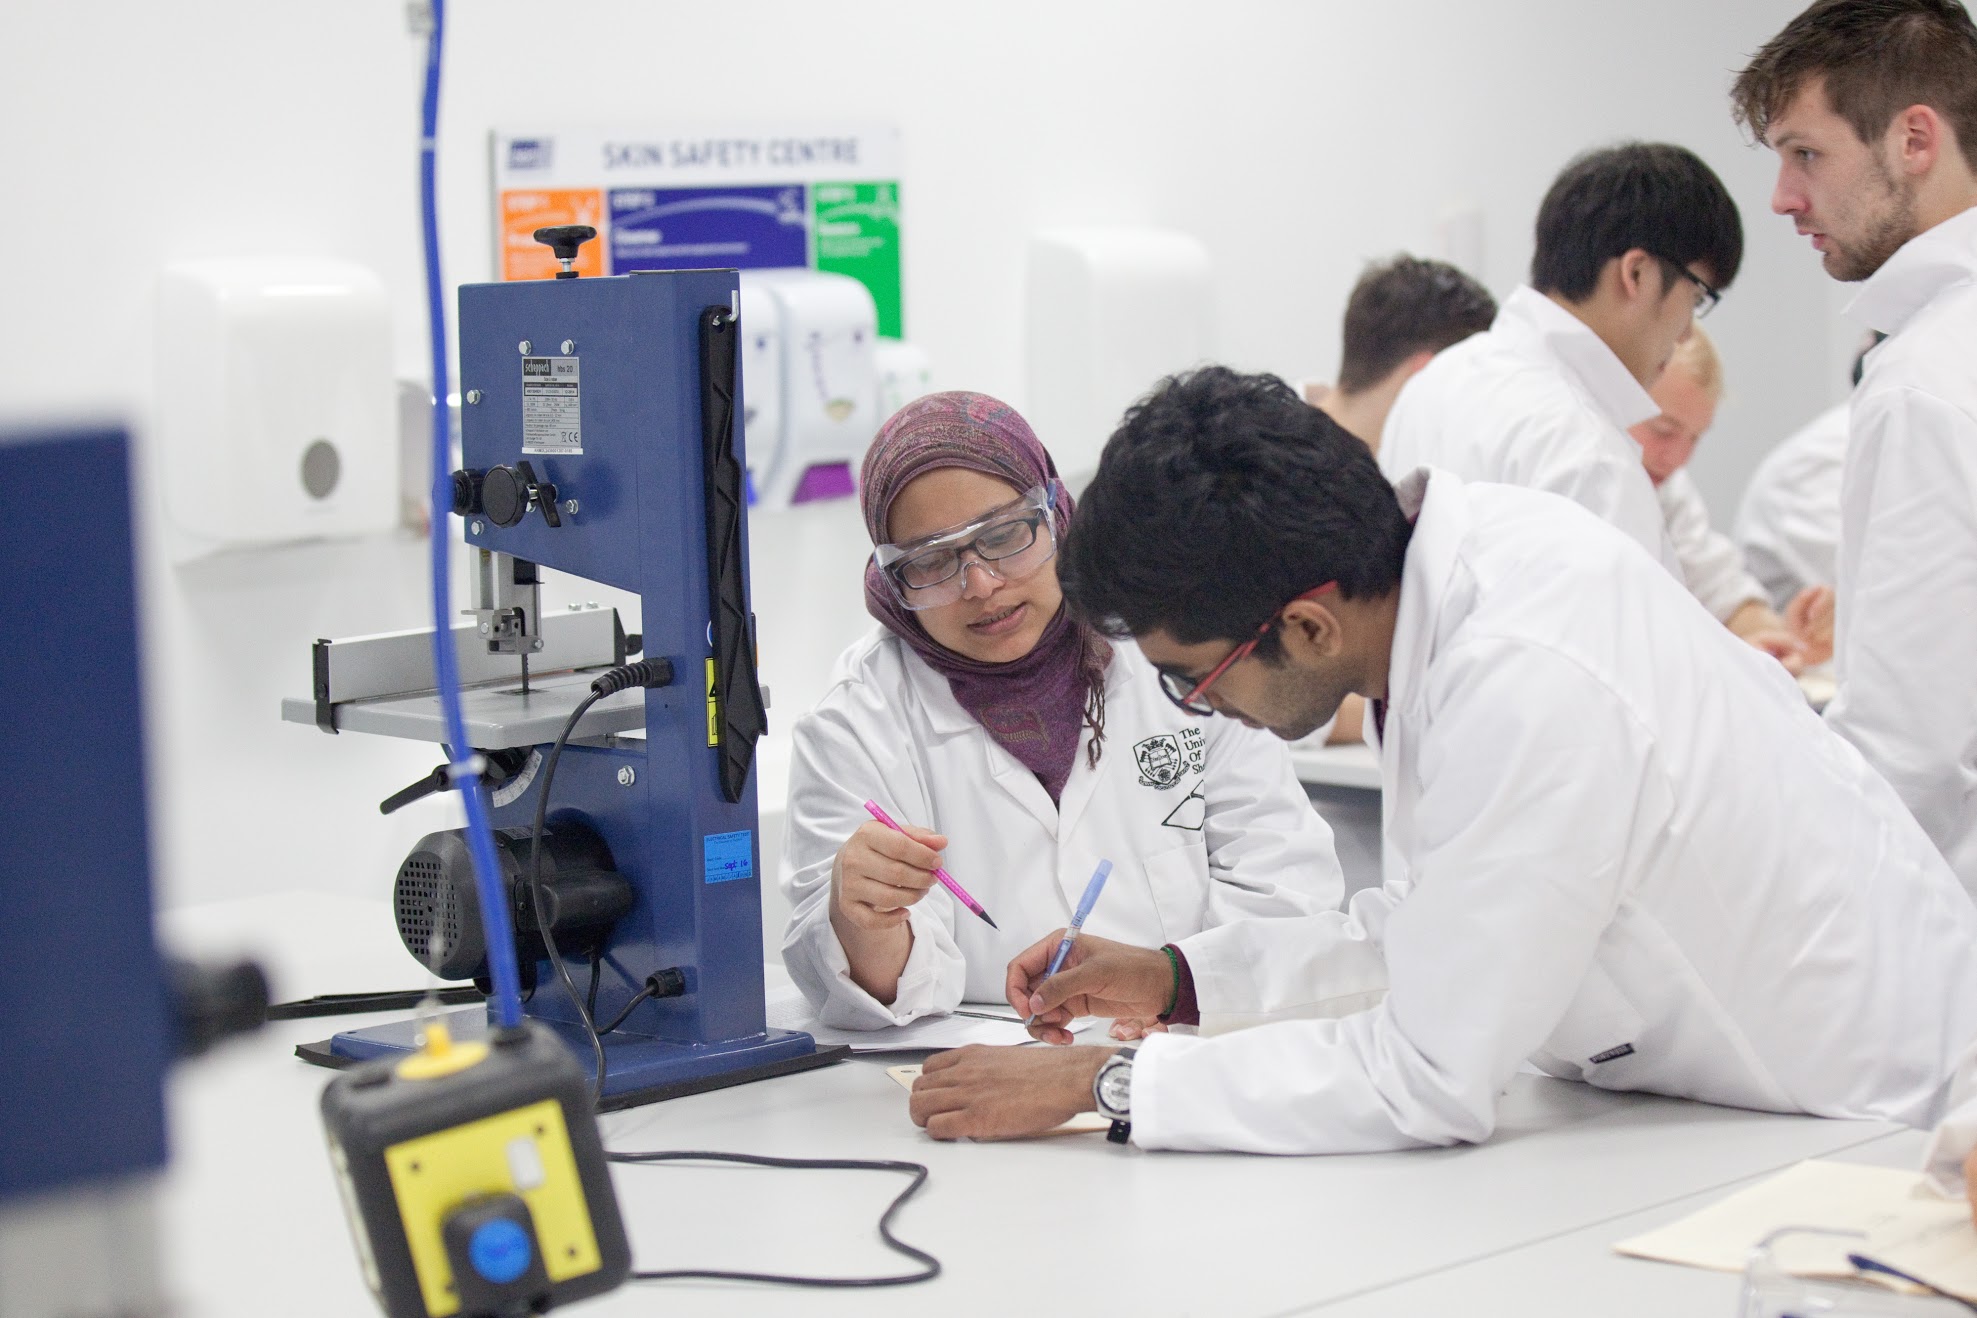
1662, 199
1875, 58
1404, 306
1220, 498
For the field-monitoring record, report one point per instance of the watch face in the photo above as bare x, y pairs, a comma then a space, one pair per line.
1115, 1087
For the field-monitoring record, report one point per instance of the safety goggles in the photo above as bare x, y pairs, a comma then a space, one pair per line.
1009, 543
1191, 695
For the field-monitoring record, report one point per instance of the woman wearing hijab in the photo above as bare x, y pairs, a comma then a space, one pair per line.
1016, 747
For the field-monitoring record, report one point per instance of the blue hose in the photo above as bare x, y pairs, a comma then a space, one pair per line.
495, 921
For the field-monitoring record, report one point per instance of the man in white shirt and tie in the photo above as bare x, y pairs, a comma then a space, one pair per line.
1872, 110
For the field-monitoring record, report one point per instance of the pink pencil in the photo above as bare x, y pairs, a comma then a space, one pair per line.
946, 879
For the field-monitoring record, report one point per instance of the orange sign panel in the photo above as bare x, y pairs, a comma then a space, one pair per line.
524, 210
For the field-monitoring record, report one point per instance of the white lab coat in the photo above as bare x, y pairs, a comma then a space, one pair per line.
1788, 523
1203, 819
1712, 567
1905, 629
1627, 852
1539, 401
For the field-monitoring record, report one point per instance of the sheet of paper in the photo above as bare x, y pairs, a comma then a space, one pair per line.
789, 1010
1082, 1124
1906, 1225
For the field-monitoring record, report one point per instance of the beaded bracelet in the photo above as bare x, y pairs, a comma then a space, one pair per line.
1174, 997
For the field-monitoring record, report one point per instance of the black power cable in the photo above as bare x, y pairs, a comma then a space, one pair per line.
658, 672
542, 919
352, 1004
625, 1015
929, 1265
648, 673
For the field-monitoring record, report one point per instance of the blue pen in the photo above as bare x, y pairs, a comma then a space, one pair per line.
1085, 903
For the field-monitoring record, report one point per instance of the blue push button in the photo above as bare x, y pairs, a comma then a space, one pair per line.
500, 1250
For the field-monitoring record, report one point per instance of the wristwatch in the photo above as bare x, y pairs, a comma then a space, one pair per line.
1112, 1094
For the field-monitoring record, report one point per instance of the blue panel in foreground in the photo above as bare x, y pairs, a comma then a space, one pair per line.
86, 1041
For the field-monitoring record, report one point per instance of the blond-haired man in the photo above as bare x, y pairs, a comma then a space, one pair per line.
1688, 393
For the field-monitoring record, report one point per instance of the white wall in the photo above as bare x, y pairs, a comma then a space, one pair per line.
1296, 140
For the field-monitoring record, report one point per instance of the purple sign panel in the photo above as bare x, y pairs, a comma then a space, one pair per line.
697, 228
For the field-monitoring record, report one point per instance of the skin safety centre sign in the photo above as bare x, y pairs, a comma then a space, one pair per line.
685, 200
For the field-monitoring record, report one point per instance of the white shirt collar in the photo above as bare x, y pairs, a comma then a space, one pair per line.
1433, 499
1922, 267
1534, 326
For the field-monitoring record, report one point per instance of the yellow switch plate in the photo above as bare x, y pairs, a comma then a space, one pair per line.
433, 1174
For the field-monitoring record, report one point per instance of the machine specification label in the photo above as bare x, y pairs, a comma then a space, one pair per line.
728, 855
552, 406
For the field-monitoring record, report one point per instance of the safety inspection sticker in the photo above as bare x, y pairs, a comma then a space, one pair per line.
552, 406
728, 856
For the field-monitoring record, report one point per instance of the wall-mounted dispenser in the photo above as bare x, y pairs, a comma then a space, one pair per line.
1108, 313
828, 330
277, 413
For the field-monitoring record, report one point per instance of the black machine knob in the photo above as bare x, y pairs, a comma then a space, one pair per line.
214, 1002
501, 766
564, 240
504, 496
466, 492
507, 493
543, 493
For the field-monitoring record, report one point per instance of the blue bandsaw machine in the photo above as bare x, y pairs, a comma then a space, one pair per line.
601, 437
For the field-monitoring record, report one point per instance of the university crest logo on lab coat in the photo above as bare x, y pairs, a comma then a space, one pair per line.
1164, 760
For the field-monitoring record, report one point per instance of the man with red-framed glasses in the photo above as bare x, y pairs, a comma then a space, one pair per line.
1620, 847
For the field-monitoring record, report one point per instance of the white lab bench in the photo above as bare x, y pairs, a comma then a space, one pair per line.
1348, 766
1070, 1224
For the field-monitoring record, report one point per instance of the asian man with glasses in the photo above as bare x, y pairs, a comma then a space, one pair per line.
1634, 243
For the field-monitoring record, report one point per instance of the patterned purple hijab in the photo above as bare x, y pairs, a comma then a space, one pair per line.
1036, 706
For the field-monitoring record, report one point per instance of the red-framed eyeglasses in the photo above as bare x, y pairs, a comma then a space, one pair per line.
1195, 699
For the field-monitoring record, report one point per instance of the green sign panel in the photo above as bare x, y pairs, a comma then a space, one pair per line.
856, 227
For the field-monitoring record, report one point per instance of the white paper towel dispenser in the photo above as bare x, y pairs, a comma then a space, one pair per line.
276, 407
1108, 313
